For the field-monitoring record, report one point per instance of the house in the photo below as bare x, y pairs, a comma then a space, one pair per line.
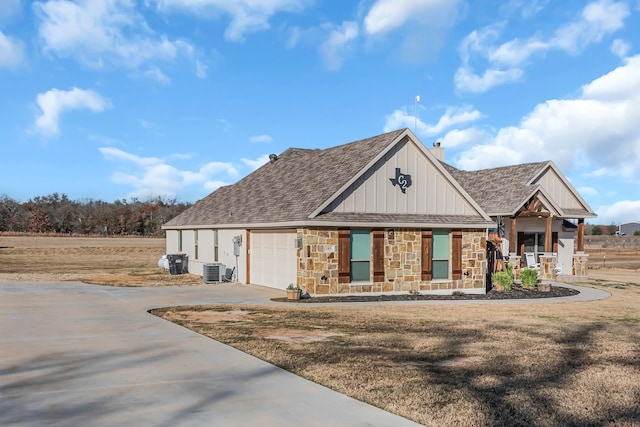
383, 214
628, 229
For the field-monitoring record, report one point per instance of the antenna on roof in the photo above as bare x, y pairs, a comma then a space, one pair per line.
415, 114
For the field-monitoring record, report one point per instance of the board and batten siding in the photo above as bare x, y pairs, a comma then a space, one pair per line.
431, 192
558, 190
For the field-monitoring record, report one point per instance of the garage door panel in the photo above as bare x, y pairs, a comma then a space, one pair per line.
273, 258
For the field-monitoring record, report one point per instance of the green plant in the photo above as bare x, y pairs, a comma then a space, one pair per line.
502, 280
529, 278
293, 287
510, 270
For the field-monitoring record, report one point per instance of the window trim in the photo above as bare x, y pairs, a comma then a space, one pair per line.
195, 241
367, 261
215, 245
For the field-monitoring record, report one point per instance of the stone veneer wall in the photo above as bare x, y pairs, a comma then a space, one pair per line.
318, 263
580, 265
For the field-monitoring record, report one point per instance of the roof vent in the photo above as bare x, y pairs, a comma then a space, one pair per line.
273, 158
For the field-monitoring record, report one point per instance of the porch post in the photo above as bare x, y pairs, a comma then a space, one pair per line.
513, 235
548, 240
581, 235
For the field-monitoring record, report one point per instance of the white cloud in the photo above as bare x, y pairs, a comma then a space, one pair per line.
247, 16
152, 176
598, 19
115, 154
11, 52
154, 73
207, 171
464, 137
255, 164
389, 15
453, 116
262, 139
55, 102
587, 191
526, 8
98, 33
619, 212
466, 80
620, 48
599, 130
201, 70
337, 45
418, 27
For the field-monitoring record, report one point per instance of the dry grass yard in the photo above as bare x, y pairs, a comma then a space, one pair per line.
544, 364
98, 260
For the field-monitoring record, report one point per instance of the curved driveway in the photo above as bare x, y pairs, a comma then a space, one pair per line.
73, 354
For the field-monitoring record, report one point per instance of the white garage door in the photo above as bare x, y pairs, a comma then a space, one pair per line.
273, 258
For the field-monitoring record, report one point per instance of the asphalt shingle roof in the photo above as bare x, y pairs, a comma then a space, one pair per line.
498, 190
290, 189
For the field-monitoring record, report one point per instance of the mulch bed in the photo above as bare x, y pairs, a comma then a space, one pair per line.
516, 292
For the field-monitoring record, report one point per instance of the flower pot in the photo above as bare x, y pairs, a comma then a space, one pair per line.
293, 294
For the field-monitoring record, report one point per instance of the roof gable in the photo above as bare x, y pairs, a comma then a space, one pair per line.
433, 190
505, 190
560, 190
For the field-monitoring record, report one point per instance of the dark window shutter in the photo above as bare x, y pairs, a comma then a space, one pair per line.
344, 256
554, 241
456, 255
427, 255
378, 256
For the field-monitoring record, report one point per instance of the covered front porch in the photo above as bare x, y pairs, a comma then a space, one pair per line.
540, 237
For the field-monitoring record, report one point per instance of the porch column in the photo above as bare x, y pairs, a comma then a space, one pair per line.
581, 235
548, 240
513, 235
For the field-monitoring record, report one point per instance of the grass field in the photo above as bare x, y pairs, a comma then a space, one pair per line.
543, 364
97, 260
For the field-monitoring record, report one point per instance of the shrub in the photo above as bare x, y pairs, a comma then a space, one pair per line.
529, 278
502, 280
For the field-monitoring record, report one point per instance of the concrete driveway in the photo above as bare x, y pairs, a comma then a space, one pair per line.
81, 355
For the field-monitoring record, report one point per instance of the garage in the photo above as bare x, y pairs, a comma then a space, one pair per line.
273, 258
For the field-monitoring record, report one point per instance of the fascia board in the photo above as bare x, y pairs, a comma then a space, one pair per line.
317, 223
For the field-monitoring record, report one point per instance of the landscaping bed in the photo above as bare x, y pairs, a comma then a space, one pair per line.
516, 292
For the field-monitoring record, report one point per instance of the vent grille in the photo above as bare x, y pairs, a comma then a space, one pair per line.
214, 272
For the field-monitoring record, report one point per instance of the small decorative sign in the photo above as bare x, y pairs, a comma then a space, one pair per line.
401, 180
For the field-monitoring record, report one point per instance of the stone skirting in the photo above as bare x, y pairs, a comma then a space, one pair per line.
318, 263
547, 267
580, 265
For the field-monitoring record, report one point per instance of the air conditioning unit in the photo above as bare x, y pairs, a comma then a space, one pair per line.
213, 272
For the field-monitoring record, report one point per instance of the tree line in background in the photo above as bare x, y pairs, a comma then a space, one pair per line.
55, 213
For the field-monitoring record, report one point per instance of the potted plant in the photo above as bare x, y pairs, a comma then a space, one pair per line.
529, 278
293, 292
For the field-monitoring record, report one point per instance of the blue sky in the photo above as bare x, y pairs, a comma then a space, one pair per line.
113, 99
